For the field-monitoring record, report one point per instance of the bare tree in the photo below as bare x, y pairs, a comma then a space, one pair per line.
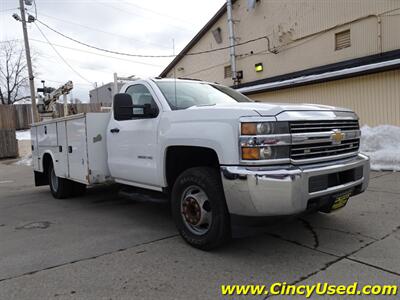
14, 81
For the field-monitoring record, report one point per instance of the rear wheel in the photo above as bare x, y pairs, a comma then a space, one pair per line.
60, 187
199, 208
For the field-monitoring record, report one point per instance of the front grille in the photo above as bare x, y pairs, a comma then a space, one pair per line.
312, 139
320, 126
323, 149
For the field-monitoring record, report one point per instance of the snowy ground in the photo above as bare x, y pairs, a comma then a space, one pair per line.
25, 161
380, 143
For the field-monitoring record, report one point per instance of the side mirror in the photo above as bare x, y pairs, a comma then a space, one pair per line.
122, 107
149, 111
125, 110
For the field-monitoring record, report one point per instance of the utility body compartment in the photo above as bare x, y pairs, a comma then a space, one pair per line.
77, 146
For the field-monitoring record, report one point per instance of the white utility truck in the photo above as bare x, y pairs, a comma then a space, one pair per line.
217, 155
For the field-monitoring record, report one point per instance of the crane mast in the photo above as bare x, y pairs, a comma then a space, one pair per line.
47, 106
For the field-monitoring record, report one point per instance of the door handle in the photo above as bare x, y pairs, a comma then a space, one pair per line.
69, 149
114, 130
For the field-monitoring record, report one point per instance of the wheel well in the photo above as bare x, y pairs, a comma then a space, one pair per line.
181, 158
47, 160
42, 178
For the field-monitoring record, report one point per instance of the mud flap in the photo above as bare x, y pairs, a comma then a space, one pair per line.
41, 179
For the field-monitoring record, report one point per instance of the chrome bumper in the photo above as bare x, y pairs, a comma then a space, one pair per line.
278, 191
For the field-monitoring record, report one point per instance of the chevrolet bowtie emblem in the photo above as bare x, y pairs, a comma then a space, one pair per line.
337, 136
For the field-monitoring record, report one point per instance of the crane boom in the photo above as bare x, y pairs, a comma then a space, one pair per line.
51, 96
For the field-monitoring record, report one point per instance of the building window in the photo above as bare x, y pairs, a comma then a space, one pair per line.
217, 33
342, 40
228, 72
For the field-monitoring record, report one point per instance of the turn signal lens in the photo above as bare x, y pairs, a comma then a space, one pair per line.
264, 128
251, 153
249, 128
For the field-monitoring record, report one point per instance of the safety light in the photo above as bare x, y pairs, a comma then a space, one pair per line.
259, 67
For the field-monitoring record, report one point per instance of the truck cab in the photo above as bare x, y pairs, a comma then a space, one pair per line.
216, 154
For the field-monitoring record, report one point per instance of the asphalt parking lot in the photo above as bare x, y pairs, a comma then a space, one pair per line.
104, 246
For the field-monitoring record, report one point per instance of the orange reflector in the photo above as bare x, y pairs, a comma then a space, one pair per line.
249, 128
250, 153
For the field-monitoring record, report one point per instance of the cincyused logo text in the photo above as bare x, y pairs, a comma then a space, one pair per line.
285, 289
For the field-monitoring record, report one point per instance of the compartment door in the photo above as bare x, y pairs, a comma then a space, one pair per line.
77, 150
62, 168
35, 150
47, 135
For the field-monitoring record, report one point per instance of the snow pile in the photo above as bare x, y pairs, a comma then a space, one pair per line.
23, 135
24, 161
382, 145
24, 145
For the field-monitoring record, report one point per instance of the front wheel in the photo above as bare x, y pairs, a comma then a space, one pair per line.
60, 187
199, 208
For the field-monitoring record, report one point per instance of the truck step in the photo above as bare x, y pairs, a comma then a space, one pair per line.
142, 195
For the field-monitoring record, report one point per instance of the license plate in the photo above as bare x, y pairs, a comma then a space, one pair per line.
341, 201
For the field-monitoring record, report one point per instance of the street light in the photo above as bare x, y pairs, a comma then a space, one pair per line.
16, 17
31, 18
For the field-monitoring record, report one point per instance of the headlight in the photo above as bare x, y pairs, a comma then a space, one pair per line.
263, 128
264, 140
264, 153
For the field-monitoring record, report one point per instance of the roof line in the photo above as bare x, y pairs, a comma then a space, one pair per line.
353, 62
196, 38
323, 77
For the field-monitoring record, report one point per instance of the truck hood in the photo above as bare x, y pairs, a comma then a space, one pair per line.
271, 109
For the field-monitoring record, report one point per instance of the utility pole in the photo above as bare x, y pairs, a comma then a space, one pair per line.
115, 89
35, 115
232, 41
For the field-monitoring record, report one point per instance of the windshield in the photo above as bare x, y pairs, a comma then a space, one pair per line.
184, 94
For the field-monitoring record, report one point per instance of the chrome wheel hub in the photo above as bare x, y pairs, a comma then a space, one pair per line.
196, 210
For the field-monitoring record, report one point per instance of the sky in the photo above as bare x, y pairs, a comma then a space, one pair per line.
132, 26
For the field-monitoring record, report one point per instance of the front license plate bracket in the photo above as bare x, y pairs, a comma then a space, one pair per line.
340, 200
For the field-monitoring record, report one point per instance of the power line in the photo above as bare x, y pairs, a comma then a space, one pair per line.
103, 31
228, 47
101, 49
98, 54
61, 57
60, 82
130, 14
8, 9
34, 5
150, 56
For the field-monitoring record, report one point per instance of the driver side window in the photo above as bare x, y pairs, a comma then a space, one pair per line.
140, 96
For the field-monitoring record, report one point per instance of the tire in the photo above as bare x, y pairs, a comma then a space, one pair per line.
199, 208
78, 189
60, 187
